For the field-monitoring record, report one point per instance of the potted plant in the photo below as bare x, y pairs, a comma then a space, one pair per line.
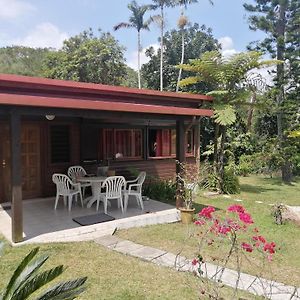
188, 180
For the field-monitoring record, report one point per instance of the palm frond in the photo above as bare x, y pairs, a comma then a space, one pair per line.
64, 290
122, 25
33, 284
190, 80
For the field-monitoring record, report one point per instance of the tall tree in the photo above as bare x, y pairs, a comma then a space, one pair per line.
278, 19
161, 5
88, 58
136, 21
182, 22
197, 41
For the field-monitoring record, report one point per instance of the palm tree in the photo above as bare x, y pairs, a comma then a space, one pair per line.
162, 4
230, 78
182, 22
27, 280
136, 21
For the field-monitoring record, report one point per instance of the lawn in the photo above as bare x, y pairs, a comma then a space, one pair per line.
111, 275
285, 266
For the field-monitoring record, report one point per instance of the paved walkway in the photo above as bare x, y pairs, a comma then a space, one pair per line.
258, 286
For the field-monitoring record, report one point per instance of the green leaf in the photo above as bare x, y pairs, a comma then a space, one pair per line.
224, 115
65, 290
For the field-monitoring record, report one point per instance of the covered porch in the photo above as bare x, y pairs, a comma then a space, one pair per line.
43, 224
48, 125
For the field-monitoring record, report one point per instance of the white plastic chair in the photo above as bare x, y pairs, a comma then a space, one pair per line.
135, 189
66, 188
76, 172
113, 190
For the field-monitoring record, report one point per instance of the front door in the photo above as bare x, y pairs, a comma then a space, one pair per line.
30, 151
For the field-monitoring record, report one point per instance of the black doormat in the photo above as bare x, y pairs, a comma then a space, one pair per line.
93, 219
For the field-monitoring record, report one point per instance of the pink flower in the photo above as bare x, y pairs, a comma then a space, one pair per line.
270, 247
236, 208
224, 229
199, 222
247, 247
259, 239
206, 212
246, 218
195, 261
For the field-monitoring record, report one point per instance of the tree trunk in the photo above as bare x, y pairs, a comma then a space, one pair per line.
182, 59
286, 171
215, 162
221, 158
139, 59
250, 111
161, 47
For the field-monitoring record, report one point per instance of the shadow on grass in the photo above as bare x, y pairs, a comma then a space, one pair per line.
278, 181
254, 189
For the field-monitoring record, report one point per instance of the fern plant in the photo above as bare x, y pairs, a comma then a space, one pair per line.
232, 86
28, 279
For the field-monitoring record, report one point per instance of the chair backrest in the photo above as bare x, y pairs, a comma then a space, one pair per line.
113, 186
141, 178
76, 171
63, 183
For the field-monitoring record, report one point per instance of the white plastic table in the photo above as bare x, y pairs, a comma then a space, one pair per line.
96, 182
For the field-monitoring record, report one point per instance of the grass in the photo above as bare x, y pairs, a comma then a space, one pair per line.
285, 266
111, 275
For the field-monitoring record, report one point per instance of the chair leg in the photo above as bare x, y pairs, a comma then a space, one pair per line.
105, 205
120, 202
56, 201
98, 200
125, 202
65, 200
83, 191
81, 198
141, 202
70, 202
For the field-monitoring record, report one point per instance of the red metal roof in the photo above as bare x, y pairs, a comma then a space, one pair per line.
56, 102
43, 92
9, 80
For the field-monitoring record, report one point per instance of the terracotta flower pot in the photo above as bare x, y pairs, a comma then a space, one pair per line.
187, 215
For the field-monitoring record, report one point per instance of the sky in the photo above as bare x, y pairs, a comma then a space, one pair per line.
46, 23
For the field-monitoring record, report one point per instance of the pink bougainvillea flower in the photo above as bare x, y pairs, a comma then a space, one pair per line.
270, 247
195, 261
247, 247
224, 229
207, 212
236, 208
199, 222
245, 218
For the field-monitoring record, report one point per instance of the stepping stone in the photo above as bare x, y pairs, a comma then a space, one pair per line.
171, 260
226, 196
238, 200
260, 202
108, 240
147, 253
126, 247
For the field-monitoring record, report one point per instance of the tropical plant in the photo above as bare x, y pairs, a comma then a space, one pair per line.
27, 280
136, 21
160, 19
229, 77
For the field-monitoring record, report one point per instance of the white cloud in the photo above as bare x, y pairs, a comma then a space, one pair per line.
43, 35
133, 57
227, 46
12, 9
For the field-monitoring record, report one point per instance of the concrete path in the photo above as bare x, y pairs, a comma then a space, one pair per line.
258, 286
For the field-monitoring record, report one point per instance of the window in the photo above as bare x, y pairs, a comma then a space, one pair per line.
60, 144
162, 142
122, 143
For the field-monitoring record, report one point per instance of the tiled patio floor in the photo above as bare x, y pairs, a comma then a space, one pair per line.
44, 224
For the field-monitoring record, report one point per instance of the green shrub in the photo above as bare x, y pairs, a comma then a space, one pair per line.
231, 184
162, 190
